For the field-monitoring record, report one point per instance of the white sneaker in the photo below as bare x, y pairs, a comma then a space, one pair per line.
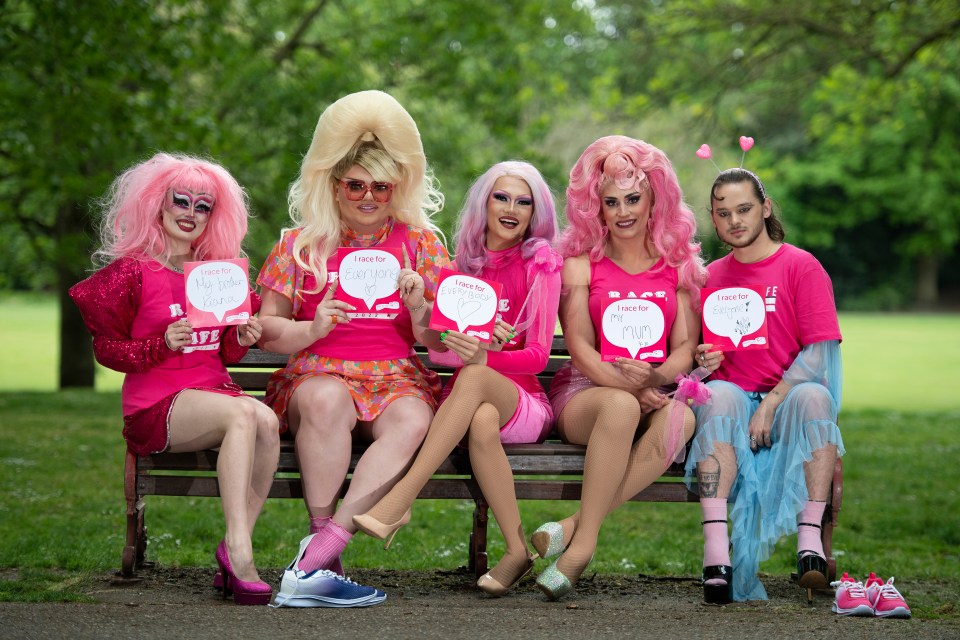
324, 588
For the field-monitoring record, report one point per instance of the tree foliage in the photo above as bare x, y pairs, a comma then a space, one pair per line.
854, 107
851, 103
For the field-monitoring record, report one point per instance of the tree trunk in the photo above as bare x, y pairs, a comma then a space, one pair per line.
73, 253
76, 346
927, 292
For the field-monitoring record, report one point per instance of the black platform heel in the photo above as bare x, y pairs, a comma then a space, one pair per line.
718, 593
811, 568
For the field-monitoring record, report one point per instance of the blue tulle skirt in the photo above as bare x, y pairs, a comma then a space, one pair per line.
770, 489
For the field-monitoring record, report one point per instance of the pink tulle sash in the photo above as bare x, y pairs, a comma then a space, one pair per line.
691, 391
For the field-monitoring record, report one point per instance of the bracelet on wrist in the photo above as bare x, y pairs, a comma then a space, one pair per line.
418, 307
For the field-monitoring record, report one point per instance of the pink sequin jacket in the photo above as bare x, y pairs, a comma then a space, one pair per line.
113, 302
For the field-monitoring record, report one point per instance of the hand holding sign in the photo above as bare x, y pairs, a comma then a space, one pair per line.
217, 292
249, 333
329, 314
635, 325
409, 283
467, 347
732, 314
467, 304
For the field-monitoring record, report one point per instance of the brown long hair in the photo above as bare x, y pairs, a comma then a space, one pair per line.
737, 175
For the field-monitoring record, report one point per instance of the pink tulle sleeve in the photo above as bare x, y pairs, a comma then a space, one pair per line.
539, 317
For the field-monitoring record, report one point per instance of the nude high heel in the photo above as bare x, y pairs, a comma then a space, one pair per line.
490, 585
373, 527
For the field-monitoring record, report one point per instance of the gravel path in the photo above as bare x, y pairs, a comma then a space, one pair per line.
179, 603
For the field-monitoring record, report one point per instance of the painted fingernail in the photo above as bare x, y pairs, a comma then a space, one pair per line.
443, 336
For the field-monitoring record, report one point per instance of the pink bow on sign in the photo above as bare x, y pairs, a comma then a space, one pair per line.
691, 389
746, 143
704, 151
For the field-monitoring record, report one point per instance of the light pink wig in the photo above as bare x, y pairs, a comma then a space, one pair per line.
131, 224
629, 162
471, 229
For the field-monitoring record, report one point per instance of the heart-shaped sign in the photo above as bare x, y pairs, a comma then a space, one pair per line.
704, 151
746, 143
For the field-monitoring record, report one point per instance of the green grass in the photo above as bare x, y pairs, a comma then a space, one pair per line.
31, 355
61, 472
61, 510
901, 362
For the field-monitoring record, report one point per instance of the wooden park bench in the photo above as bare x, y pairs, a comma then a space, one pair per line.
548, 471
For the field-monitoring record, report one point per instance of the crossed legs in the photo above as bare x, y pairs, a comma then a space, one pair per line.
615, 468
481, 402
246, 432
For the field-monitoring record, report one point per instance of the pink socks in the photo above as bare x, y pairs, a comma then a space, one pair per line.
716, 540
319, 522
325, 547
809, 537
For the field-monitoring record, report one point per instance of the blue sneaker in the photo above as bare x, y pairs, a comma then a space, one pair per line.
324, 588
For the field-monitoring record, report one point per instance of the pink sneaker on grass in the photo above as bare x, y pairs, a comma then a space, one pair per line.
851, 598
887, 601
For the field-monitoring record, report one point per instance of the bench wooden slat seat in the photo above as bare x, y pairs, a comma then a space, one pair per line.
548, 471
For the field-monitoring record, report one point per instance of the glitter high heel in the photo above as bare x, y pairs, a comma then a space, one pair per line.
373, 527
548, 540
554, 583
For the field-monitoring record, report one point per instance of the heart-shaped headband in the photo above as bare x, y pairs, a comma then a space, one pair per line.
704, 152
746, 143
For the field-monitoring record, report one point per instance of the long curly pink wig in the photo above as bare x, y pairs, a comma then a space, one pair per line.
131, 224
629, 162
471, 228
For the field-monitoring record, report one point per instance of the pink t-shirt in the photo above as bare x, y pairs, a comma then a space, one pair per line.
800, 312
609, 281
127, 306
196, 365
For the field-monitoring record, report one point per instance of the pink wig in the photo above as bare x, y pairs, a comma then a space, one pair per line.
131, 225
470, 234
627, 161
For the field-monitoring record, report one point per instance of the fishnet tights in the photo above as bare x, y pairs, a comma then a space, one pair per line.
615, 468
481, 402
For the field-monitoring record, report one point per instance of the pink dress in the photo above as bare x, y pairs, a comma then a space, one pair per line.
127, 307
372, 358
526, 355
